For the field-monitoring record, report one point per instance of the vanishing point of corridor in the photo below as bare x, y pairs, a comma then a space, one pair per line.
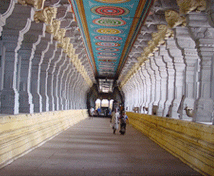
90, 148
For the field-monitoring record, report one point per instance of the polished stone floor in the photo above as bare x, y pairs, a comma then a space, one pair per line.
89, 148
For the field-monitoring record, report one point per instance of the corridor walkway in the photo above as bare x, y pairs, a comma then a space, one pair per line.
90, 148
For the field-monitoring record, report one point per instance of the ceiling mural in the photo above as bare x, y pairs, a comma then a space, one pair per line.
109, 28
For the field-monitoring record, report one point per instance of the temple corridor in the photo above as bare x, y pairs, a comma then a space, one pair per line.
153, 59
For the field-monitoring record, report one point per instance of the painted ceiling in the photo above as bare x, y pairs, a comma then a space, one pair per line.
109, 29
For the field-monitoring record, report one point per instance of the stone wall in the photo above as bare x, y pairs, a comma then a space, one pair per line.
23, 132
191, 142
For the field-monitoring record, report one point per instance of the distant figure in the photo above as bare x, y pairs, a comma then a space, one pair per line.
92, 112
115, 120
123, 120
99, 110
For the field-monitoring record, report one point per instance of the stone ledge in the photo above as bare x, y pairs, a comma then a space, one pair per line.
20, 133
191, 142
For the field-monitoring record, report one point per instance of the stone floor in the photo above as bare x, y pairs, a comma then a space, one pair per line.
89, 148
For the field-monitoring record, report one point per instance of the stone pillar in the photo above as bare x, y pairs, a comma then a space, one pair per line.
50, 79
63, 82
8, 11
191, 59
74, 96
163, 74
157, 86
135, 91
144, 88
170, 81
203, 35
179, 66
59, 82
56, 79
27, 54
73, 79
12, 40
133, 95
2, 55
152, 80
69, 88
41, 49
148, 88
66, 86
139, 89
44, 64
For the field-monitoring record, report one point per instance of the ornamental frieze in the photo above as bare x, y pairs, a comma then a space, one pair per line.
191, 5
38, 4
174, 19
46, 15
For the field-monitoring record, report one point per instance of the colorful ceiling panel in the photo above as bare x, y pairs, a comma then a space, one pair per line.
109, 28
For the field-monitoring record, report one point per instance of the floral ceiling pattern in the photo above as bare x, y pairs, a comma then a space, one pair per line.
109, 29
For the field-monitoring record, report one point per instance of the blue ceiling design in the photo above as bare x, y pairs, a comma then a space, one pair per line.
109, 30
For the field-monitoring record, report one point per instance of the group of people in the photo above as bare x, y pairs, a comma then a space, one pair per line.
103, 111
119, 118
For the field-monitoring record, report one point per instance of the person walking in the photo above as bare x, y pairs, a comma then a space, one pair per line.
115, 120
91, 113
123, 121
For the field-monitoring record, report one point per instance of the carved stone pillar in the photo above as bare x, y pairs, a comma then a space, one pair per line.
68, 94
75, 92
143, 98
140, 90
27, 54
152, 87
56, 81
170, 80
60, 72
179, 66
191, 58
148, 89
36, 69
71, 87
50, 79
133, 95
157, 86
135, 90
163, 74
66, 84
44, 65
203, 35
9, 7
12, 40
62, 83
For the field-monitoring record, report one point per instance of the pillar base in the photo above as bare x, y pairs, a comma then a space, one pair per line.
25, 100
37, 101
175, 107
160, 109
204, 110
9, 101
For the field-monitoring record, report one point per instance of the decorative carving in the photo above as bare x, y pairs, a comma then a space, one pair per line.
54, 27
46, 15
158, 39
174, 19
189, 111
191, 5
65, 45
59, 35
38, 4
